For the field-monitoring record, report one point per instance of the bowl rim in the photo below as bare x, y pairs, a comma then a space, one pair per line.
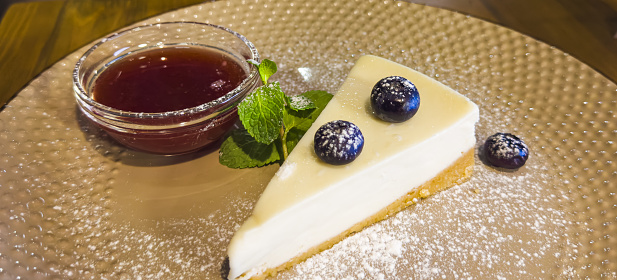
83, 97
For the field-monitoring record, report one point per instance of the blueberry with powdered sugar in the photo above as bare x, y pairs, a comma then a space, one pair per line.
338, 142
395, 99
505, 150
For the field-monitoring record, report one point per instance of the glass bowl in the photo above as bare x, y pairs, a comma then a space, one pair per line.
178, 130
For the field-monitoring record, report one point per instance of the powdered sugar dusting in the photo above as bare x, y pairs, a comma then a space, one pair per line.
300, 102
286, 170
508, 226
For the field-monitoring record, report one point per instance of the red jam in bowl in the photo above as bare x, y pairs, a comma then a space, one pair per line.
152, 91
167, 79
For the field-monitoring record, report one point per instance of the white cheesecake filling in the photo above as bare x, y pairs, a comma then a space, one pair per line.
309, 202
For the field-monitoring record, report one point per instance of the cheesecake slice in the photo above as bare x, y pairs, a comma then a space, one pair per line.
310, 205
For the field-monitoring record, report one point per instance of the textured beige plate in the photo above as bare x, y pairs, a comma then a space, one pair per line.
73, 204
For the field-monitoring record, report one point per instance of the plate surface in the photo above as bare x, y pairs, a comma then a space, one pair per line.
74, 204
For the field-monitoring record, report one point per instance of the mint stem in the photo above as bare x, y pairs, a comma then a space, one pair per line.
284, 142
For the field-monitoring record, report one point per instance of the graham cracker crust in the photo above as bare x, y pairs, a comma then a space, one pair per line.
459, 172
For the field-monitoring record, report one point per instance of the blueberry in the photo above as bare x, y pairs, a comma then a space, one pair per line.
505, 150
395, 99
338, 142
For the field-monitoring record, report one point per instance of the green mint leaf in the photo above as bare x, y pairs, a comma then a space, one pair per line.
240, 150
262, 112
298, 122
266, 69
300, 102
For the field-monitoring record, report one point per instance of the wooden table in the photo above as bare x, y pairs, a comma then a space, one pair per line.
34, 35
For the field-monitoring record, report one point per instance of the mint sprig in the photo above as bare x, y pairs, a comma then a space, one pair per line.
273, 122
